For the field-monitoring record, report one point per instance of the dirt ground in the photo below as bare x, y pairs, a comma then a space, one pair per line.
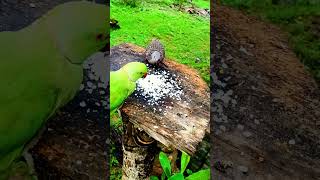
265, 105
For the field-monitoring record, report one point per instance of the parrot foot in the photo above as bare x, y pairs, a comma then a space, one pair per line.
119, 113
22, 170
29, 160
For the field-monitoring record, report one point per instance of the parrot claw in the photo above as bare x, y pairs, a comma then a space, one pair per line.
22, 169
29, 160
119, 112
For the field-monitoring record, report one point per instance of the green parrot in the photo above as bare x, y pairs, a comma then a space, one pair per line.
123, 84
41, 70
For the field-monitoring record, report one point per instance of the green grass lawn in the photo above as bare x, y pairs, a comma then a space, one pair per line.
185, 37
202, 4
295, 17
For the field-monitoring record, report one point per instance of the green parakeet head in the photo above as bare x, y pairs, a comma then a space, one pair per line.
136, 70
79, 29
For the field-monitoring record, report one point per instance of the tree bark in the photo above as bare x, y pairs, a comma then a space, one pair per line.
139, 152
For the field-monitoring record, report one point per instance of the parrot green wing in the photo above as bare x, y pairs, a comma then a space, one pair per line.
120, 89
35, 82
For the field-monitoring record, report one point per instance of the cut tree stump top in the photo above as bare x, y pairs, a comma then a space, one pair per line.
184, 125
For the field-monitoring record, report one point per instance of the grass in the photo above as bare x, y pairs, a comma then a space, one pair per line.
202, 4
185, 37
296, 18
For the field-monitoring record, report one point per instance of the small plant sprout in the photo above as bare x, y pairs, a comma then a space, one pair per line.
203, 174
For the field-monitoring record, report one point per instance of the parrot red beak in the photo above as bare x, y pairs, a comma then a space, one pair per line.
145, 75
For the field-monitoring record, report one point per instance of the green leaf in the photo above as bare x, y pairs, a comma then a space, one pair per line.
189, 172
185, 158
202, 174
154, 178
177, 176
165, 164
163, 176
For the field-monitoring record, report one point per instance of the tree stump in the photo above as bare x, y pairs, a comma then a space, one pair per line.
182, 126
